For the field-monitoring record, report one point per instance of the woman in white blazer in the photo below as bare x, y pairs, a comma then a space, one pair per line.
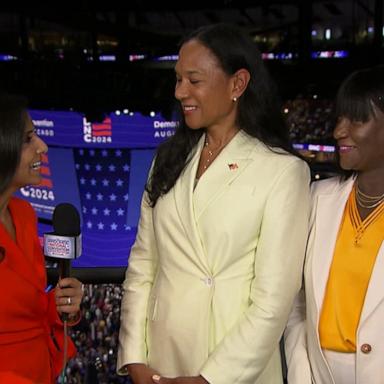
218, 255
335, 332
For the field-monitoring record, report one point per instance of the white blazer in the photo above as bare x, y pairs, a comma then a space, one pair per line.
214, 270
305, 360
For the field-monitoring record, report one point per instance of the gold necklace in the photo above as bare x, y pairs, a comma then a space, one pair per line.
359, 225
367, 201
211, 153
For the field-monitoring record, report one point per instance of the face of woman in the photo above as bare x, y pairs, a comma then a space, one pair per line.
361, 145
203, 88
28, 171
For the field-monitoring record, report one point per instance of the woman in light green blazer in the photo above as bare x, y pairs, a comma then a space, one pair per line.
218, 255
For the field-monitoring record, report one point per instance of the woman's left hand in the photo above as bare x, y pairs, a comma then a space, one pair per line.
179, 380
68, 294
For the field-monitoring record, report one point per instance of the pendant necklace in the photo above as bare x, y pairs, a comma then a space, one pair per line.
212, 153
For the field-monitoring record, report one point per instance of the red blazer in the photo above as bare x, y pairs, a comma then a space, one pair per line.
31, 333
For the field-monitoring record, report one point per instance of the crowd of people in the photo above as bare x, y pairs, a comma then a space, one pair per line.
309, 120
96, 337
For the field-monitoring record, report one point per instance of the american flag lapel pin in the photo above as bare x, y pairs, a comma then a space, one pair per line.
233, 166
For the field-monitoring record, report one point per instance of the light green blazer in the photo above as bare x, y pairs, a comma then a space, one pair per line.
214, 270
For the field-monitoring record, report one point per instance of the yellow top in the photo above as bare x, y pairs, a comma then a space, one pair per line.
357, 245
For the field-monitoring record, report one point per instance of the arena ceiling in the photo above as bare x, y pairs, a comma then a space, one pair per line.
159, 21
154, 27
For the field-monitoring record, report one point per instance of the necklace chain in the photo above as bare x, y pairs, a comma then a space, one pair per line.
367, 201
211, 153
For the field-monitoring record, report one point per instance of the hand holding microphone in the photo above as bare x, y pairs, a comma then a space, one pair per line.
68, 294
65, 244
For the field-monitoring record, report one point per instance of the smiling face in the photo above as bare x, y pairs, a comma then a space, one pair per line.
204, 90
28, 170
361, 144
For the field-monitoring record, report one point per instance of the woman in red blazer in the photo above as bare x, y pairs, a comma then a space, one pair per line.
31, 332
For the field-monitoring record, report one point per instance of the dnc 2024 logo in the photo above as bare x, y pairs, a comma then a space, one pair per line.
97, 132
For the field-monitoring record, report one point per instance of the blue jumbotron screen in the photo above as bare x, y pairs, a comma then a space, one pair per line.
100, 168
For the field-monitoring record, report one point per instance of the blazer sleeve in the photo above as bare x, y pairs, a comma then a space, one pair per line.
137, 285
295, 343
246, 350
295, 335
56, 337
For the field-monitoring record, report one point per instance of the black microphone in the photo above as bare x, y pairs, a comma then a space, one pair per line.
64, 243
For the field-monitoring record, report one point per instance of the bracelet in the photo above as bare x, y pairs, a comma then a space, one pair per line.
73, 319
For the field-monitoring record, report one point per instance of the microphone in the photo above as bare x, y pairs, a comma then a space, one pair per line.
64, 243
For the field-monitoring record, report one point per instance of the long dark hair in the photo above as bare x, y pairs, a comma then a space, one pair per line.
13, 112
259, 112
357, 98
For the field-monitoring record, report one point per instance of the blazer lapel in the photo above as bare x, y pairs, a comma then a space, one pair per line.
375, 289
22, 256
183, 193
229, 165
16, 259
329, 213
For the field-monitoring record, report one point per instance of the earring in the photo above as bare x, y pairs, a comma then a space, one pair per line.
234, 99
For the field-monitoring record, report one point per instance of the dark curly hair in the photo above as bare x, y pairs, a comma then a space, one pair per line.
13, 113
259, 112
